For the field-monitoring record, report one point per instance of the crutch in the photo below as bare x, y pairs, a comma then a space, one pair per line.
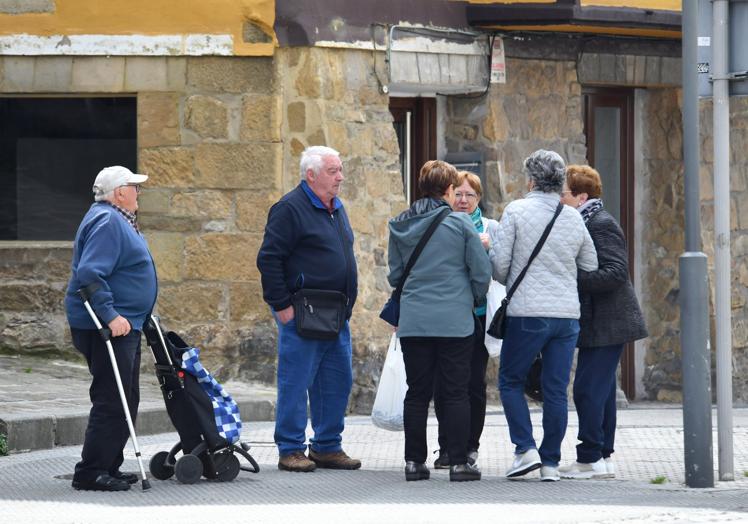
85, 294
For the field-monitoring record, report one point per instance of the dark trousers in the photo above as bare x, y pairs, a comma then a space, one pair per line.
595, 399
107, 432
476, 391
446, 359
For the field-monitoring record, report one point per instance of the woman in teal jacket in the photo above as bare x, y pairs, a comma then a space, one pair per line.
436, 316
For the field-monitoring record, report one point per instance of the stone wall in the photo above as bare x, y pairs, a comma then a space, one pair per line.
220, 139
538, 107
663, 240
738, 229
212, 149
33, 279
661, 180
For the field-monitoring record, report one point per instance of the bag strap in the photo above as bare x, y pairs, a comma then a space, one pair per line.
535, 252
419, 247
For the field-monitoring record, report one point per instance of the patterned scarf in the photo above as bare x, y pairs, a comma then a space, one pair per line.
477, 218
589, 208
131, 218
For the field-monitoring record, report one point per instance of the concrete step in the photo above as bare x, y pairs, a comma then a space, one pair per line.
44, 403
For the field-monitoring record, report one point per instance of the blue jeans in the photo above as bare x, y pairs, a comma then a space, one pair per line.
555, 339
595, 398
319, 370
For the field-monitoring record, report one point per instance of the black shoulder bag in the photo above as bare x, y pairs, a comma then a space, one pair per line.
321, 313
498, 322
391, 310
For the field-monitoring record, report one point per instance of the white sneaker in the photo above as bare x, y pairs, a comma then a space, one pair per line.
524, 463
472, 457
579, 470
610, 467
549, 474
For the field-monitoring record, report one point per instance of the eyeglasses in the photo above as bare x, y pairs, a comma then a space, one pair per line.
136, 186
466, 196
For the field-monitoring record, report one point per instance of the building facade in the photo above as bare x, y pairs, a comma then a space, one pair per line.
215, 102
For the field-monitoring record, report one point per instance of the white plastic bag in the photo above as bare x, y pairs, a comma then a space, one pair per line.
496, 293
387, 412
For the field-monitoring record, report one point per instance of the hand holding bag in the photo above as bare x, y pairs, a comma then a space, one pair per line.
391, 310
497, 328
387, 412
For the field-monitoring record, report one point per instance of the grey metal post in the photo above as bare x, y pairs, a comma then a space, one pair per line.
694, 293
722, 302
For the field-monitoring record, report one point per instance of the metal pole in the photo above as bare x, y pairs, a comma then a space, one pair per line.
694, 291
723, 306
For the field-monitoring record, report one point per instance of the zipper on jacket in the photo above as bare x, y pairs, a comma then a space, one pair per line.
347, 261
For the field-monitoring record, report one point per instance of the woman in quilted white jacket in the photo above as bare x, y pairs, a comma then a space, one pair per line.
543, 314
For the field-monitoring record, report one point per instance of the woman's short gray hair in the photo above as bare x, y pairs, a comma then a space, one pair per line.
312, 157
547, 171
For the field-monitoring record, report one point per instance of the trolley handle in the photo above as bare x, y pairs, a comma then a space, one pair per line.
86, 293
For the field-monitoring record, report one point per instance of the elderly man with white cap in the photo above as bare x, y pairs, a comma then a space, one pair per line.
110, 258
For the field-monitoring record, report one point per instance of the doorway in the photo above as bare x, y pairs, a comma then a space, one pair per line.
609, 129
415, 125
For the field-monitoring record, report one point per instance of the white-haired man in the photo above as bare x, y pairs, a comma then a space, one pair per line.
111, 255
308, 245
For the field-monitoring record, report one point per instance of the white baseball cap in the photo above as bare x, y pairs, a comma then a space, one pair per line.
110, 178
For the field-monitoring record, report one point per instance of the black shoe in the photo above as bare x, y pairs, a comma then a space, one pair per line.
416, 471
442, 461
102, 483
130, 478
464, 473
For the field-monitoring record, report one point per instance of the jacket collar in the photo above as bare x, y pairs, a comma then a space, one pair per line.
553, 198
316, 202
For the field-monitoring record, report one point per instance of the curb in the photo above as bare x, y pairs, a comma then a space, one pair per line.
31, 432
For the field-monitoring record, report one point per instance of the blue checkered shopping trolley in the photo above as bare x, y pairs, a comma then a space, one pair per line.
203, 413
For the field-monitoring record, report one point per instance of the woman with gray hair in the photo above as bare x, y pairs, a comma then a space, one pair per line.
543, 314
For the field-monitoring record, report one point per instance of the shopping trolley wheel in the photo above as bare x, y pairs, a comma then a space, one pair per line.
227, 466
158, 466
188, 469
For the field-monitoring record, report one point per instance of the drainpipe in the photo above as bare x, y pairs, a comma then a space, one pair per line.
694, 292
723, 305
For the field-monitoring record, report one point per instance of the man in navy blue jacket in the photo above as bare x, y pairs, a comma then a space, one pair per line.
308, 243
111, 254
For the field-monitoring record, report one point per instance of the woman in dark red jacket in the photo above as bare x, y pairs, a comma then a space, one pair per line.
610, 317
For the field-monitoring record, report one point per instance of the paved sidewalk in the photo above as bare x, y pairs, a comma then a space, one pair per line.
35, 486
44, 402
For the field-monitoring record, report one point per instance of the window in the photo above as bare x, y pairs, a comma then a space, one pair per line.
50, 152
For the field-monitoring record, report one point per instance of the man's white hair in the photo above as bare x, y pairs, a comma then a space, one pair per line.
312, 158
108, 197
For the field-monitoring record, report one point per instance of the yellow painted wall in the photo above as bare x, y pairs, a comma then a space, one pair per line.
659, 5
149, 17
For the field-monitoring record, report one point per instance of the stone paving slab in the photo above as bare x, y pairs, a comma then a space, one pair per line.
44, 402
35, 486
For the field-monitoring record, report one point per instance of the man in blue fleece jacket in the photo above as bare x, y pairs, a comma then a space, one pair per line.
110, 253
309, 244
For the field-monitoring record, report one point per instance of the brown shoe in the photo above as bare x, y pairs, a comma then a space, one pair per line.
335, 460
296, 461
